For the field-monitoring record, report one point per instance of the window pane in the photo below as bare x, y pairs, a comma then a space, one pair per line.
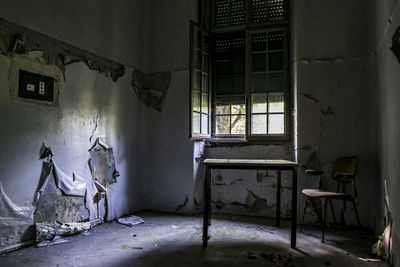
195, 122
275, 61
205, 42
196, 101
238, 124
223, 66
196, 80
238, 109
222, 109
197, 59
222, 124
259, 103
276, 124
258, 42
275, 40
204, 83
204, 103
223, 86
238, 64
259, 62
204, 123
259, 124
199, 39
276, 102
259, 82
275, 82
205, 63
238, 85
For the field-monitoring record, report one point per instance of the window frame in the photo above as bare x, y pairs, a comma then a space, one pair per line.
249, 28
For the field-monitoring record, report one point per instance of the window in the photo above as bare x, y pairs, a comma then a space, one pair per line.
246, 70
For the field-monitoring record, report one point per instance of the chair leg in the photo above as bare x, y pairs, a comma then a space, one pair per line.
356, 211
324, 221
333, 212
304, 212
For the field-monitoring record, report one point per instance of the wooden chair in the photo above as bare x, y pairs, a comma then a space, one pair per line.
344, 172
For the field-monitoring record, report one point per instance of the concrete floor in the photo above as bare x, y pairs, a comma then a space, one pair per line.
173, 240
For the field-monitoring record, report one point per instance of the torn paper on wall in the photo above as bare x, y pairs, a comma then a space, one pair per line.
54, 205
47, 231
15, 221
102, 163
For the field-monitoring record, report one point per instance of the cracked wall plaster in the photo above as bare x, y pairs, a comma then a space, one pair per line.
17, 39
151, 88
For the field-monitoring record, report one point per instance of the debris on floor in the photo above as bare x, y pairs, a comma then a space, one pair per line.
47, 231
277, 259
130, 221
251, 255
55, 241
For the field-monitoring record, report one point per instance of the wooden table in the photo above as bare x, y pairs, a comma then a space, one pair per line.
254, 164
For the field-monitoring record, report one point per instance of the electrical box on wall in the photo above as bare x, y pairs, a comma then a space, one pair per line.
35, 86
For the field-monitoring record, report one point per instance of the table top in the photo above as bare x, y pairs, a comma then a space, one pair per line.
251, 162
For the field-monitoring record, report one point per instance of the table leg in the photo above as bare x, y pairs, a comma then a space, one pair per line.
207, 204
294, 209
278, 199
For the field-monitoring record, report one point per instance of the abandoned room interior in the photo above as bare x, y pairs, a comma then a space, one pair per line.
200, 133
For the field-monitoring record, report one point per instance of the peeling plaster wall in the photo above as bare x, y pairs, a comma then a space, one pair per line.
385, 79
335, 102
112, 29
330, 48
89, 103
166, 151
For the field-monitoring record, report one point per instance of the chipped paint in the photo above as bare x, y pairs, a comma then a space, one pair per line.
16, 39
151, 88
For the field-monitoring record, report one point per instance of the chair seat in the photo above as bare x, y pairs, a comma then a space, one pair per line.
326, 194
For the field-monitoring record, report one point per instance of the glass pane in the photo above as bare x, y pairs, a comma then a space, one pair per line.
275, 82
238, 85
238, 124
275, 61
199, 39
259, 62
259, 124
275, 40
205, 42
238, 109
222, 124
196, 101
195, 122
259, 103
223, 86
276, 102
196, 80
276, 124
258, 42
197, 59
204, 103
259, 82
222, 109
204, 124
205, 63
238, 64
259, 13
223, 66
204, 83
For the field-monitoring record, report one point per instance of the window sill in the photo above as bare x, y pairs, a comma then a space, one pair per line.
238, 141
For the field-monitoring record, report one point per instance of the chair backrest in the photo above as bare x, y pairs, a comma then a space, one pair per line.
345, 168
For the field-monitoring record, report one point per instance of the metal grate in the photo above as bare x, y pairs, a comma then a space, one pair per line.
267, 10
229, 12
